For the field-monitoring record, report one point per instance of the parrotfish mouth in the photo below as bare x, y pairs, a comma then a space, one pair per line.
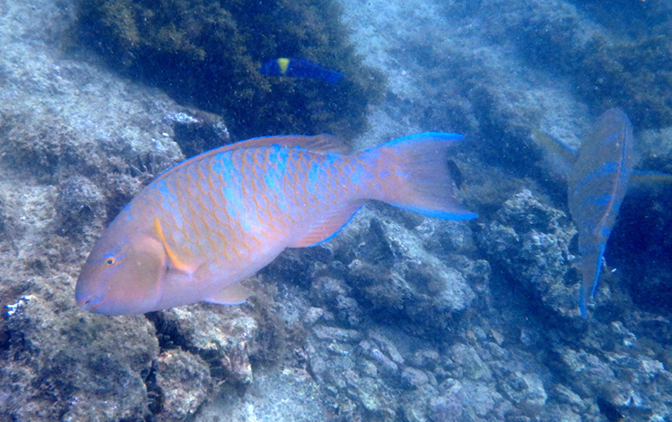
90, 304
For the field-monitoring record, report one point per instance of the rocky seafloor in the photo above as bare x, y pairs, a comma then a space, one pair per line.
398, 318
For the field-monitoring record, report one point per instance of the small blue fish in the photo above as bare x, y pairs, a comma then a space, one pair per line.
299, 68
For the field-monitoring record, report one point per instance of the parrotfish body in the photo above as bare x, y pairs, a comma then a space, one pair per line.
217, 218
299, 68
596, 187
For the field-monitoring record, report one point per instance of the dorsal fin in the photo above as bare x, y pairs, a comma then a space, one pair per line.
318, 143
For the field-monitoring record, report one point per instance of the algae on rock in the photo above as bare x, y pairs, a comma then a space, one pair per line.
207, 53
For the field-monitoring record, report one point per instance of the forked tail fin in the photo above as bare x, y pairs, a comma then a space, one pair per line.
417, 176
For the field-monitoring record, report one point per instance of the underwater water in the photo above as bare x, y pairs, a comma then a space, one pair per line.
400, 316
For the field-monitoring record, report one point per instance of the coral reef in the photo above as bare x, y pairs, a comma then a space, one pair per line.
181, 383
531, 241
207, 54
47, 376
611, 64
393, 276
224, 338
197, 131
398, 318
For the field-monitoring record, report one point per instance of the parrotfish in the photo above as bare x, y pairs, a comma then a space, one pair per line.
596, 187
213, 220
598, 177
299, 68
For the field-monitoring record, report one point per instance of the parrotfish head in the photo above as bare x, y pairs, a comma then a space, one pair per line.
123, 273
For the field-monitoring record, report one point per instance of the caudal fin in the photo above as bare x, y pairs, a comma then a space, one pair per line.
417, 173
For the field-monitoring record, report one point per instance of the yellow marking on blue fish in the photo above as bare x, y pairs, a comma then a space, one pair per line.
283, 63
298, 68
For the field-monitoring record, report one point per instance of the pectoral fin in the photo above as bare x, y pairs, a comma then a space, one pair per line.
556, 154
176, 262
650, 181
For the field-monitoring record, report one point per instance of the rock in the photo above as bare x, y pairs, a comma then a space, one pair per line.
45, 347
469, 363
447, 407
336, 294
182, 382
413, 378
387, 346
400, 316
80, 209
531, 240
483, 400
336, 334
312, 316
224, 339
197, 131
386, 365
392, 274
526, 389
424, 359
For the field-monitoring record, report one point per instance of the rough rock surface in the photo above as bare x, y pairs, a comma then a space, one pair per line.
68, 365
531, 241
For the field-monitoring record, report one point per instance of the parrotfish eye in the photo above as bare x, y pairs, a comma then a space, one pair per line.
111, 259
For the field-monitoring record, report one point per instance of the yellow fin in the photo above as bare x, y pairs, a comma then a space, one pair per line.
283, 63
175, 262
234, 294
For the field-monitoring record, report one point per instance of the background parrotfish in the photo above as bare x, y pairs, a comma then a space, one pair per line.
597, 180
201, 227
596, 187
299, 68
